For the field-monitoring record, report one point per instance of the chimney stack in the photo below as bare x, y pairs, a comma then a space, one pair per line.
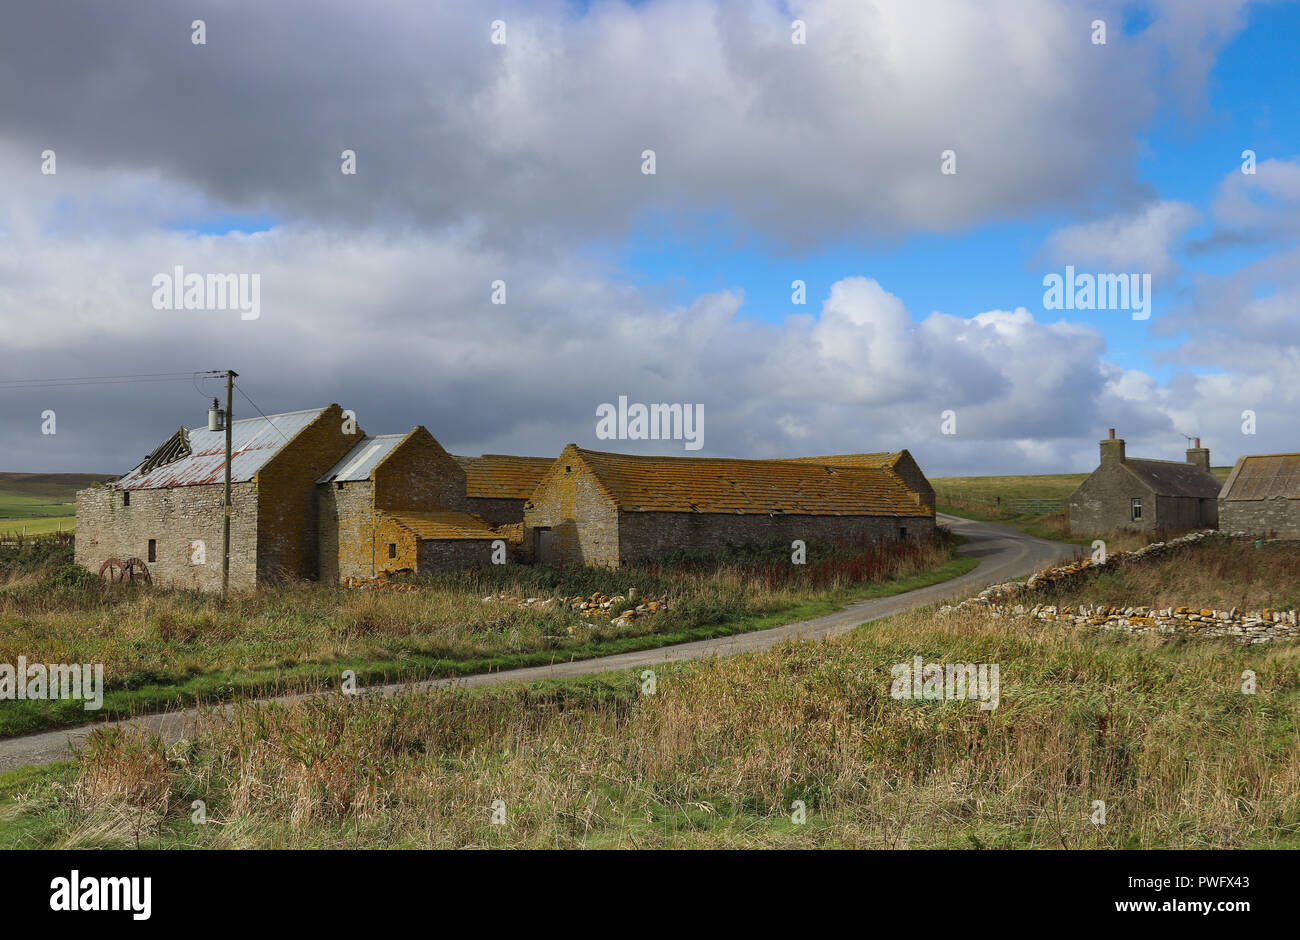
1199, 456
1112, 450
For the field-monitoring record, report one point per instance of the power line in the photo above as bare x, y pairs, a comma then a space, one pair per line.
262, 413
101, 380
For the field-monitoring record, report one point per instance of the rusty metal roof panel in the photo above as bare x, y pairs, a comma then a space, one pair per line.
360, 461
1266, 476
254, 441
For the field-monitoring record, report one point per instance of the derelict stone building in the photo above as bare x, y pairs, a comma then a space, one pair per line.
607, 509
1135, 494
168, 510
1262, 497
313, 496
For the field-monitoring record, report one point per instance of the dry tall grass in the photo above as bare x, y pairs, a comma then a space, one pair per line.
717, 756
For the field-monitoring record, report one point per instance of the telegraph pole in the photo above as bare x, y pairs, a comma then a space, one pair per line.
225, 522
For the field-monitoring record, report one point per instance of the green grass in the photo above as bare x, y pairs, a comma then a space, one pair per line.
138, 680
35, 525
40, 495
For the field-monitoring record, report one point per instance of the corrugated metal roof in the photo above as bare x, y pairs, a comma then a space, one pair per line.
716, 485
358, 463
445, 525
502, 476
1265, 476
254, 441
1171, 478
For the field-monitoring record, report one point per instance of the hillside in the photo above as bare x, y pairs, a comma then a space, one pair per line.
35, 503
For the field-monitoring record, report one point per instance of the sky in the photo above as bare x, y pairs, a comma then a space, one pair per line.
922, 167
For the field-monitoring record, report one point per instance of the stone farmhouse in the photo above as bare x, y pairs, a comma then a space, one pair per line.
599, 508
1136, 494
1262, 497
315, 497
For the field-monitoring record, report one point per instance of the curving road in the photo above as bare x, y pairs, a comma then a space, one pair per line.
1003, 552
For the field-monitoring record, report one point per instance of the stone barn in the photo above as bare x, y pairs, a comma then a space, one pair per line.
901, 463
396, 502
1135, 494
1262, 497
498, 485
168, 510
607, 509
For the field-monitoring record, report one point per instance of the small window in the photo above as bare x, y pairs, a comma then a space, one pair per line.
392, 549
153, 549
126, 498
568, 469
902, 532
1137, 509
339, 484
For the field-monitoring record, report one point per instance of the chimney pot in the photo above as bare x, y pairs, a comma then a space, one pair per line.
1198, 442
1112, 434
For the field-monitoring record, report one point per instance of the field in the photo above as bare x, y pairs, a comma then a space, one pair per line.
163, 649
1001, 499
730, 752
40, 503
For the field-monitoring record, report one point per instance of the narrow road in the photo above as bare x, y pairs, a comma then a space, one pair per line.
1003, 552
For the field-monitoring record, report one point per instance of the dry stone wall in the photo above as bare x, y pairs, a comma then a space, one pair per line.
1015, 599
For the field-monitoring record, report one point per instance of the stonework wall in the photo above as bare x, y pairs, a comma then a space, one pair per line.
1278, 518
647, 535
288, 513
438, 554
346, 527
1103, 502
419, 475
174, 517
396, 547
579, 514
910, 472
497, 512
1185, 512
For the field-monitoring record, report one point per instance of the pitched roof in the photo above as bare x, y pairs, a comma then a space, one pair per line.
881, 460
1171, 478
876, 461
445, 525
717, 485
360, 461
254, 441
502, 476
1264, 476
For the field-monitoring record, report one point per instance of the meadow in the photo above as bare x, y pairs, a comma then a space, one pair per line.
40, 503
799, 746
166, 648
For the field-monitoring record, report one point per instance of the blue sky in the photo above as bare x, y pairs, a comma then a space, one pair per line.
1252, 95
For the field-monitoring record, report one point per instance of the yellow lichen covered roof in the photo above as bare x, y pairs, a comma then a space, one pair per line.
502, 476
874, 461
717, 485
445, 525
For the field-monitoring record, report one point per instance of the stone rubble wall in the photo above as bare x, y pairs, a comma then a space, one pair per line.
1014, 599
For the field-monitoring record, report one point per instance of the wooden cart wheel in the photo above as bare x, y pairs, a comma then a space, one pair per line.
136, 571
